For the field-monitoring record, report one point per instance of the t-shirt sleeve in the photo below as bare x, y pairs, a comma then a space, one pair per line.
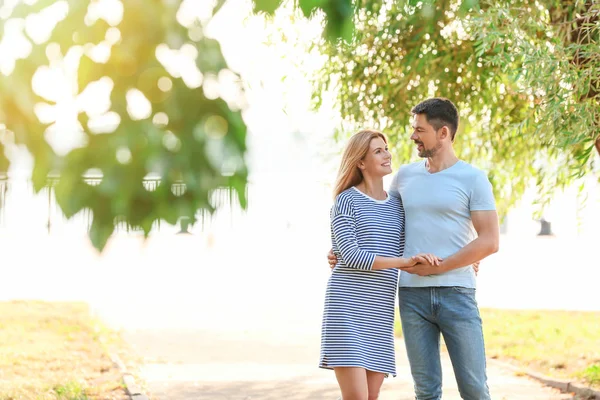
394, 189
482, 195
343, 226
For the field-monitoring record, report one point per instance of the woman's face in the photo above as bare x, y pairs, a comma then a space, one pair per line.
378, 161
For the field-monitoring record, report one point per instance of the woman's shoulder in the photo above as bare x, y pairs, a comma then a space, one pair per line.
344, 203
346, 197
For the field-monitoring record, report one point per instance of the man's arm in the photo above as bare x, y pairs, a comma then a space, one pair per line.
487, 242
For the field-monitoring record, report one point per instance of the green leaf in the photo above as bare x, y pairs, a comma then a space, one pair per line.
4, 162
41, 169
346, 31
100, 232
468, 5
218, 6
340, 22
268, 6
308, 6
210, 59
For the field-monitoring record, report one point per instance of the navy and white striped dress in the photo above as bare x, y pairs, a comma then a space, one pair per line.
358, 322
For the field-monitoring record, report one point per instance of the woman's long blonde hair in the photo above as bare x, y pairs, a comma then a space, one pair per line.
349, 174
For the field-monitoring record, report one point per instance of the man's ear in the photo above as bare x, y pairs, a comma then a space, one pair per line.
445, 132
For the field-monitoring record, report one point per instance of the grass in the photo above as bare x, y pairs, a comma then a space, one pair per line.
559, 344
591, 374
55, 351
71, 391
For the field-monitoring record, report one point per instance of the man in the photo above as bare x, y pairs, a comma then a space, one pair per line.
444, 199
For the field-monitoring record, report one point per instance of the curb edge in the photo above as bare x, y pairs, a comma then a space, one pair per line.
564, 386
133, 389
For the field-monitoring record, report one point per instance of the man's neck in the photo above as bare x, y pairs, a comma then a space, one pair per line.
441, 161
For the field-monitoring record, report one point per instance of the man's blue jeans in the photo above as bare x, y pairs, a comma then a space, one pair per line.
452, 311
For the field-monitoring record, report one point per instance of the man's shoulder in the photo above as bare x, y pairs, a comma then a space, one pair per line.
473, 178
471, 171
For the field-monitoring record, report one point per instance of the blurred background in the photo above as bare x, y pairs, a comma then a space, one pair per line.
171, 164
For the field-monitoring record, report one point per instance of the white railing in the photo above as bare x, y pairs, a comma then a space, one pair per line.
23, 210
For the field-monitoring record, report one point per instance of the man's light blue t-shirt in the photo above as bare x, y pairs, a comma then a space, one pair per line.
438, 215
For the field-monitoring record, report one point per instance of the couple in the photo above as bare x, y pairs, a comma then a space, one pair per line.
423, 226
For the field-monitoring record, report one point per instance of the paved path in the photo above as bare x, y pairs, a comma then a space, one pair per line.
202, 365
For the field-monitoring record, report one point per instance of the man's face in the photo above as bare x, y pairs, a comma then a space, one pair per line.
425, 136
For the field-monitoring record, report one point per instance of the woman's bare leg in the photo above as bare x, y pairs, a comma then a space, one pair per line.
374, 382
353, 383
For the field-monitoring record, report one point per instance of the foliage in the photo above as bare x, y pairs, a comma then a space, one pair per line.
164, 119
524, 75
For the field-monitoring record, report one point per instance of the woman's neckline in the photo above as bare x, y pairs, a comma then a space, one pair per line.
371, 198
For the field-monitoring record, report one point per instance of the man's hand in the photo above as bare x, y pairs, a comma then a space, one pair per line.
425, 268
332, 259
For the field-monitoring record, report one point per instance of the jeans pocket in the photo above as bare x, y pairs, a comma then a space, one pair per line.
464, 290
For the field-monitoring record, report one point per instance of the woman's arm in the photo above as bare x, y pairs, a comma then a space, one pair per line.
343, 227
344, 232
392, 262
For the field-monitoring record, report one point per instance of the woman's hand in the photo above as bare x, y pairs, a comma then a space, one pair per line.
476, 267
425, 258
331, 259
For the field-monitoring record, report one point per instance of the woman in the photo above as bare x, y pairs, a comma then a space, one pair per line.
367, 228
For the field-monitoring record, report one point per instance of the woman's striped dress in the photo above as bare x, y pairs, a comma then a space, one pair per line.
358, 322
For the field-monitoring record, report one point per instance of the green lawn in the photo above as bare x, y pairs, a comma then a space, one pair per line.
54, 351
560, 344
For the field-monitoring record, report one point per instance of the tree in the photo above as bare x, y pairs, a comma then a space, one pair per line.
158, 120
524, 74
525, 82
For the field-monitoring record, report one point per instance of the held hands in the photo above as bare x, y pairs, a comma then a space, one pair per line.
422, 264
425, 264
414, 262
423, 258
